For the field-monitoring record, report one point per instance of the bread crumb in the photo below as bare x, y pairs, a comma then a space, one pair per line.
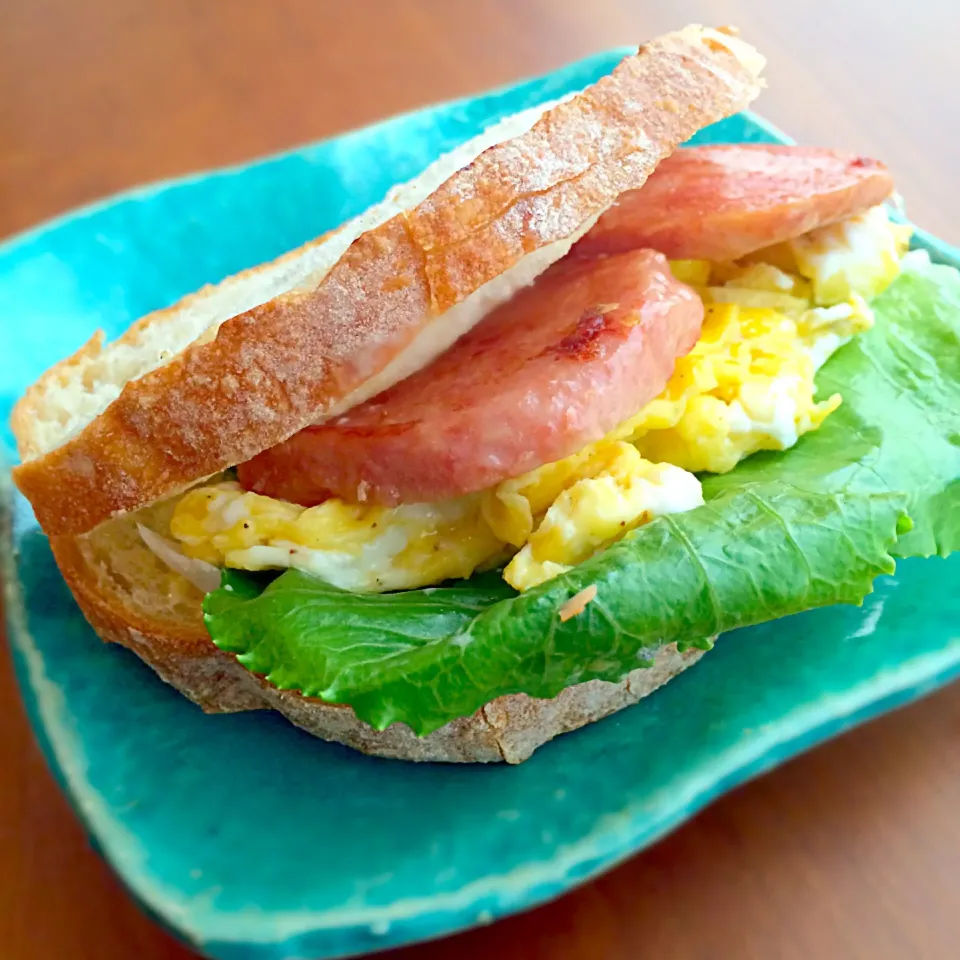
578, 603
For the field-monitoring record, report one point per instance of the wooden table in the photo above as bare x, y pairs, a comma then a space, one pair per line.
850, 851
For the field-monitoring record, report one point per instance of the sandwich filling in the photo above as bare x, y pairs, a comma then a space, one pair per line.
771, 320
671, 434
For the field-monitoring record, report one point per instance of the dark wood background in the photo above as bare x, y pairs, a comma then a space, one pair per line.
849, 852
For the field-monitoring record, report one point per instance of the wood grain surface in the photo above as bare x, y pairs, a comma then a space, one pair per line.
848, 852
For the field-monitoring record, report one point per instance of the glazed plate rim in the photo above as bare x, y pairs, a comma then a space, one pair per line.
615, 837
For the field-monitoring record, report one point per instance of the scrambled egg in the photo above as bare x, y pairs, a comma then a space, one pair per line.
771, 323
747, 385
353, 546
860, 255
772, 320
585, 504
593, 513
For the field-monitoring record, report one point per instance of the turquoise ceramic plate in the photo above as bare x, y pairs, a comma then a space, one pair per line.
250, 839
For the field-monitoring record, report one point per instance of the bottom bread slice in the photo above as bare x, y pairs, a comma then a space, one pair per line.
130, 597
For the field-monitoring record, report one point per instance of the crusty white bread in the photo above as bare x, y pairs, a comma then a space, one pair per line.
238, 368
130, 597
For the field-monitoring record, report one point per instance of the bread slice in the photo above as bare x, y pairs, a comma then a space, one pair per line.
132, 598
239, 367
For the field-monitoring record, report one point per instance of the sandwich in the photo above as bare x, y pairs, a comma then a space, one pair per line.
508, 451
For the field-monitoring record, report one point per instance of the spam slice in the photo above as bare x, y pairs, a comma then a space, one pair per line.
553, 369
724, 202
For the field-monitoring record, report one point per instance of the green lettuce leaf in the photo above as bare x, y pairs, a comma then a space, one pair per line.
782, 533
425, 657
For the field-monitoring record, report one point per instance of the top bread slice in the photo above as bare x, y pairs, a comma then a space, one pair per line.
239, 367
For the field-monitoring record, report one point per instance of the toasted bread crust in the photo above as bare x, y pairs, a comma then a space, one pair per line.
276, 368
508, 729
